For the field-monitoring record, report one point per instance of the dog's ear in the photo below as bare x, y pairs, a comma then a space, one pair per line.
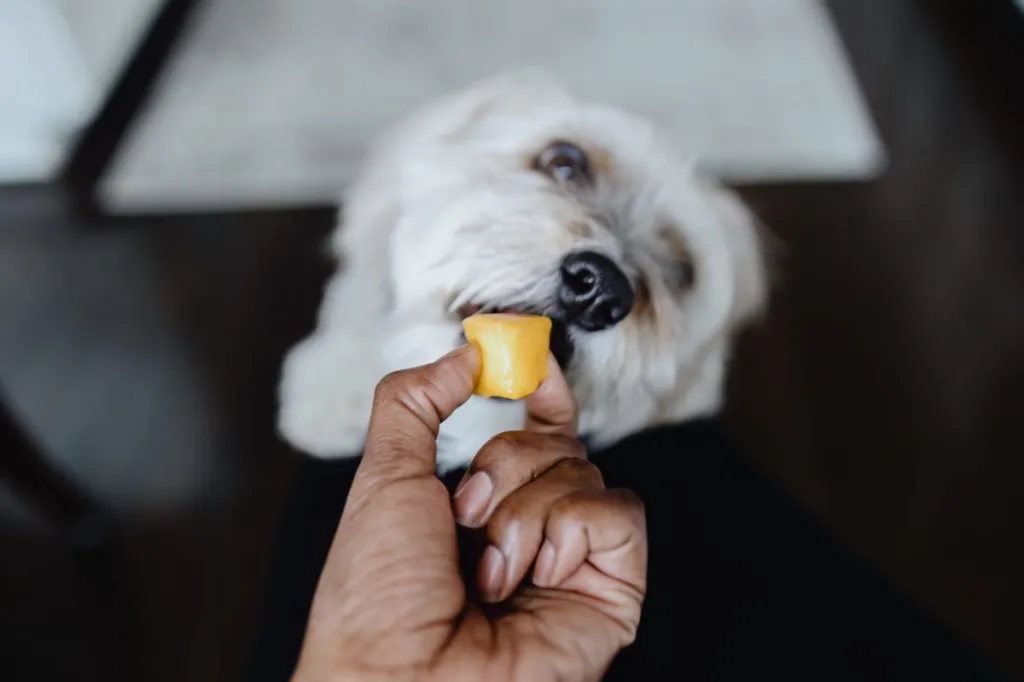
752, 250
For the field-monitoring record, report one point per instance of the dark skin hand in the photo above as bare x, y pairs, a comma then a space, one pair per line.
391, 603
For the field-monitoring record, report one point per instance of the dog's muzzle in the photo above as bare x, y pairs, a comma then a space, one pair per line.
594, 294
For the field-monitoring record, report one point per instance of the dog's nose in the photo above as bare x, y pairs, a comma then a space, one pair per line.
595, 294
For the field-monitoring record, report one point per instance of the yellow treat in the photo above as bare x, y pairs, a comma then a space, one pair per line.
515, 353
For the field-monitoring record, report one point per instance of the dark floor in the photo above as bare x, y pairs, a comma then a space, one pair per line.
882, 392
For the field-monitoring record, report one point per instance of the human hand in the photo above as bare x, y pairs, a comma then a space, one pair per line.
391, 604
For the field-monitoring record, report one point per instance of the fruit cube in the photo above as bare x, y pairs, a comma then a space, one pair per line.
515, 353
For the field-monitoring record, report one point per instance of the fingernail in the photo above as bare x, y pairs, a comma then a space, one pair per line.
472, 498
492, 573
464, 349
544, 566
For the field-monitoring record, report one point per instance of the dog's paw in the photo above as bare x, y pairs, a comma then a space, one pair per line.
326, 394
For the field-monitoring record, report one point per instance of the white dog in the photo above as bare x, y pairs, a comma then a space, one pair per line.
513, 195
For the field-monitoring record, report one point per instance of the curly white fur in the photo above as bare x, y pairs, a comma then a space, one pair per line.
448, 210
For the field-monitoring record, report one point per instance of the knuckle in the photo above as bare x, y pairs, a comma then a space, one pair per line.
616, 505
430, 382
517, 444
581, 469
630, 503
503, 519
512, 439
503, 446
410, 388
567, 509
627, 497
576, 464
629, 630
572, 447
391, 384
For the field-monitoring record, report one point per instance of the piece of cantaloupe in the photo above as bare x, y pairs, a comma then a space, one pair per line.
515, 353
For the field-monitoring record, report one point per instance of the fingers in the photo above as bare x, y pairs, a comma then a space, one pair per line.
589, 579
506, 463
589, 576
605, 529
395, 486
552, 408
393, 565
408, 408
510, 460
516, 528
593, 560
544, 504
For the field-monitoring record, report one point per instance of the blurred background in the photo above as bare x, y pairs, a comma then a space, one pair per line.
169, 169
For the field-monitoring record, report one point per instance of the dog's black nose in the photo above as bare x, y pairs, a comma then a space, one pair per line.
595, 294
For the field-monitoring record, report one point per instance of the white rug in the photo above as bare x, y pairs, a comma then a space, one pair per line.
273, 102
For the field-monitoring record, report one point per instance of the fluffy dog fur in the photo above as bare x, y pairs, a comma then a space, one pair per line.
450, 210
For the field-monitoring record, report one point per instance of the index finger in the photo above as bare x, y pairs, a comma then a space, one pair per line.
552, 407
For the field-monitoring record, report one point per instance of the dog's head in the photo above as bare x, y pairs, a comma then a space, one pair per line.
516, 196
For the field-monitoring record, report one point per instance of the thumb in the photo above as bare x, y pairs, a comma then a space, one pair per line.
408, 408
552, 408
392, 574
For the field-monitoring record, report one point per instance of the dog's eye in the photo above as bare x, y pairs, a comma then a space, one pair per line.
686, 274
564, 162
